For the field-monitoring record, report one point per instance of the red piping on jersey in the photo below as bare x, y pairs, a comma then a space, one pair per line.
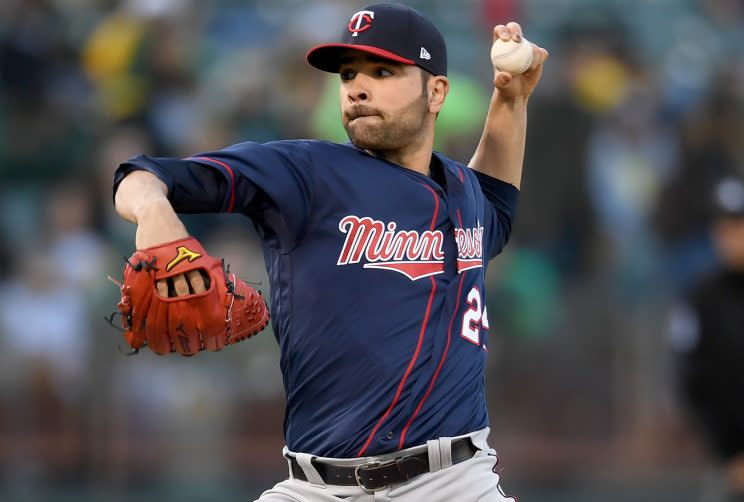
436, 207
424, 324
232, 180
441, 361
439, 367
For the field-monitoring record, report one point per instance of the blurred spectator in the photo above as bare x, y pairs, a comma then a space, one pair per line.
711, 148
46, 337
631, 153
39, 78
706, 332
74, 247
45, 298
554, 218
45, 340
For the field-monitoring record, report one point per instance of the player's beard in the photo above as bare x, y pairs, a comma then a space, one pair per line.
389, 131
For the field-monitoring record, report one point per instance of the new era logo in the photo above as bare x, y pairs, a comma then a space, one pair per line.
425, 54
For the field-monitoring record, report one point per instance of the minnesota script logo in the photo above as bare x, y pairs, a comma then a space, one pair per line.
469, 248
410, 252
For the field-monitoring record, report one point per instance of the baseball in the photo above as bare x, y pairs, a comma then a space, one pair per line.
511, 56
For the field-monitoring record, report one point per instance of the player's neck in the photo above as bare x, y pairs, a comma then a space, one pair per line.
416, 156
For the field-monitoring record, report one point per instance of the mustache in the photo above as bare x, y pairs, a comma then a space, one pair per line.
357, 111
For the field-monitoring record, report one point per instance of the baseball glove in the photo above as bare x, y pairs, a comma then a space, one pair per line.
227, 312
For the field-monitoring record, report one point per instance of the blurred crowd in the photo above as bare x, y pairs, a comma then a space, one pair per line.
639, 114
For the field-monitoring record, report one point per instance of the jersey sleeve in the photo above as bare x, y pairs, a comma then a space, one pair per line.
500, 206
270, 183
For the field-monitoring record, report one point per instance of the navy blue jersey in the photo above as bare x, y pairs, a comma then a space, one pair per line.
377, 284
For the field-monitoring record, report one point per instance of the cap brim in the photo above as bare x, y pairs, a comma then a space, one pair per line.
327, 57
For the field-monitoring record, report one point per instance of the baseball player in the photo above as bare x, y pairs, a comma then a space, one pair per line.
376, 252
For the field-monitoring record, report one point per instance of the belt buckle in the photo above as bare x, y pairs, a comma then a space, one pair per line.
360, 481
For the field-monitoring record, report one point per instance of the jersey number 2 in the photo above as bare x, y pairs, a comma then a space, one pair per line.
475, 317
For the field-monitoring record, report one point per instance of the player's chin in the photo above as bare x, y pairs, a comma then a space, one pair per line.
366, 138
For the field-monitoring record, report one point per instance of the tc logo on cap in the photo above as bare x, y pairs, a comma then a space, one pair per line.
360, 21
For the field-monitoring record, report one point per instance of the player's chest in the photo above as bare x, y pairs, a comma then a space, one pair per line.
405, 224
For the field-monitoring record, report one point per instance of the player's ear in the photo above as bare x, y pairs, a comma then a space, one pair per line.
438, 88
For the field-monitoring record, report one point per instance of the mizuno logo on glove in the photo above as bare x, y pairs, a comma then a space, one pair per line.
184, 253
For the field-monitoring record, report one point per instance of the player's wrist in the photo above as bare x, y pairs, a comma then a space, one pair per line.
157, 223
514, 101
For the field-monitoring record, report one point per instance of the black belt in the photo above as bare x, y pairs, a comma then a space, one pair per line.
377, 475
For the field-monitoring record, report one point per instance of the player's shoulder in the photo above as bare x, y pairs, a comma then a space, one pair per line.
450, 164
458, 168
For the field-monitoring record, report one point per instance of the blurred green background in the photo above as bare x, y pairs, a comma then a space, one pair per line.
639, 112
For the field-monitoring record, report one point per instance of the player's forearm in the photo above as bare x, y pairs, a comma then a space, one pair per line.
142, 199
500, 152
137, 192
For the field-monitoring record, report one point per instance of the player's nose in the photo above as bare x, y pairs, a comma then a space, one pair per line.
357, 91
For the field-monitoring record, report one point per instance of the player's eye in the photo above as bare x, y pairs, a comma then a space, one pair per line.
347, 74
384, 72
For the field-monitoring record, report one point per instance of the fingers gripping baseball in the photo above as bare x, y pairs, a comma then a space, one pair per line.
506, 40
177, 298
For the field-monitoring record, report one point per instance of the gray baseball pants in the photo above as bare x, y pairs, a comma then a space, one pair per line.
473, 480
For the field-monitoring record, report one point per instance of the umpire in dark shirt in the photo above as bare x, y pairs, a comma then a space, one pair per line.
707, 332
